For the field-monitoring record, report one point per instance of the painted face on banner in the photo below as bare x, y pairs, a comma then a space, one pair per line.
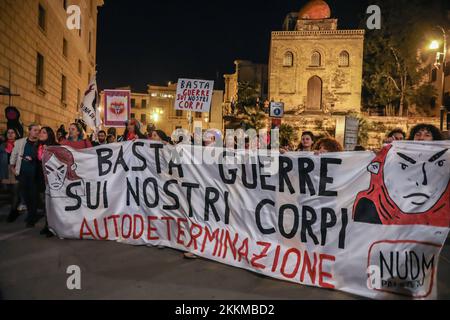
416, 181
56, 173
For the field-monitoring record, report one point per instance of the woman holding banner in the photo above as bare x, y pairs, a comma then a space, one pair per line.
307, 141
159, 135
76, 138
425, 132
132, 131
326, 145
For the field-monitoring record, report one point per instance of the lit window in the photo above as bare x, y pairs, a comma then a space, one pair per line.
288, 60
344, 59
316, 59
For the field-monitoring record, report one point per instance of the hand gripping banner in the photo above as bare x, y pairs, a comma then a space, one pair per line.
371, 225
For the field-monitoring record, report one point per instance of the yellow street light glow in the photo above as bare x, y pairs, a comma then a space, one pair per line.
434, 45
155, 117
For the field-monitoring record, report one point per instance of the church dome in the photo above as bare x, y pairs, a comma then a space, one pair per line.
315, 10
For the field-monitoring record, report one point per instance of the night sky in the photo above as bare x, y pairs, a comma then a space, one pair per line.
144, 42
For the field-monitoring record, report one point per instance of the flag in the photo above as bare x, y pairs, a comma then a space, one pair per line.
89, 106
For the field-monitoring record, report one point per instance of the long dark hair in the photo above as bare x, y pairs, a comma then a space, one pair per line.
137, 131
15, 132
51, 138
164, 137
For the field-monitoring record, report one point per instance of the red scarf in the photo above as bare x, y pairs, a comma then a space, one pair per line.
9, 146
40, 152
131, 136
389, 213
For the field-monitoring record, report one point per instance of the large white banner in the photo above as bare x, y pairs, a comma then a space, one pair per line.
371, 225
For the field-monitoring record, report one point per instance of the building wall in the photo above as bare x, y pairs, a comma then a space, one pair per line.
374, 128
245, 71
341, 85
437, 83
22, 38
141, 109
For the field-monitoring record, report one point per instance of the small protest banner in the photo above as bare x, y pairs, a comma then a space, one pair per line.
371, 225
89, 106
194, 95
347, 129
117, 107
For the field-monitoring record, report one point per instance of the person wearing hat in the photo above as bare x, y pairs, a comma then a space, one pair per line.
132, 131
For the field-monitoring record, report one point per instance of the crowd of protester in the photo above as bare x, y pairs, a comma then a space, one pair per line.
22, 175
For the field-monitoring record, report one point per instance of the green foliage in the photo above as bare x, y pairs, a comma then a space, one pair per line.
247, 96
248, 110
363, 133
287, 134
252, 118
423, 97
394, 69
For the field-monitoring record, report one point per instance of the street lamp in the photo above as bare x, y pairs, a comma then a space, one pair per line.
434, 45
156, 114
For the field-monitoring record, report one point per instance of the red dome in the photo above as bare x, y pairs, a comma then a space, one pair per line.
315, 10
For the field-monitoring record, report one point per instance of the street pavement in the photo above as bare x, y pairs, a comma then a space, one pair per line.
34, 267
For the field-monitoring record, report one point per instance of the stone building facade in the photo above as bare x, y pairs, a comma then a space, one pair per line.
43, 61
245, 71
315, 68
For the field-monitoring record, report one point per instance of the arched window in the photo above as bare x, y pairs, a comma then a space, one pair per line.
288, 59
316, 59
344, 59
